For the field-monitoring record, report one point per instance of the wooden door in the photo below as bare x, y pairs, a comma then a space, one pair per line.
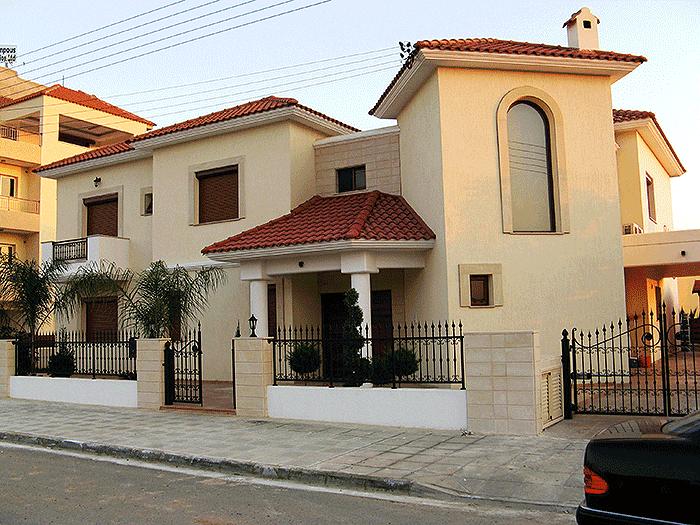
103, 216
382, 321
101, 319
271, 310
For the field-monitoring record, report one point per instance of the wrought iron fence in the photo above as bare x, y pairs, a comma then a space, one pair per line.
72, 250
645, 364
103, 354
183, 368
410, 354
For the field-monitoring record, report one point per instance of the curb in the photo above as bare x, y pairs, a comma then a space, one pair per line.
404, 487
229, 466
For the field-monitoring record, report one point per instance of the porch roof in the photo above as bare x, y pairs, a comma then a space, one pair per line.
369, 216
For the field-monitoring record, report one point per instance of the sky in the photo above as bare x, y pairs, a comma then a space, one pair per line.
250, 57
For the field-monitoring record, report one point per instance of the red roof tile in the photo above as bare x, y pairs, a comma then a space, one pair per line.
82, 99
242, 110
629, 115
370, 216
508, 47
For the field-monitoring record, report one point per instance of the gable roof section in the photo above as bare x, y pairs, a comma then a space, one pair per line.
358, 216
242, 110
82, 99
630, 115
505, 47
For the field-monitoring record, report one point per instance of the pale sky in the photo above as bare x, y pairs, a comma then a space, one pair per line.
666, 32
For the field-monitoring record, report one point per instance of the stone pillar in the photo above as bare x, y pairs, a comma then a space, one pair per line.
258, 306
361, 283
7, 366
253, 361
150, 384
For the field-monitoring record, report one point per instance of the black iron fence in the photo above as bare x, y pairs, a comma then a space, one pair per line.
183, 368
410, 354
72, 250
103, 354
645, 364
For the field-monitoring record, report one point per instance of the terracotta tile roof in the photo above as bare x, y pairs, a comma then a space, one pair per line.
5, 101
629, 115
82, 99
370, 216
242, 110
508, 47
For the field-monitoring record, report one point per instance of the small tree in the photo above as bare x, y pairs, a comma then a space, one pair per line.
304, 359
355, 368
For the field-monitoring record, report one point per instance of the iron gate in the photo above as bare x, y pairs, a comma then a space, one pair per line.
183, 369
643, 365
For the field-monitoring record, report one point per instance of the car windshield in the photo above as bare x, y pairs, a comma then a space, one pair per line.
689, 424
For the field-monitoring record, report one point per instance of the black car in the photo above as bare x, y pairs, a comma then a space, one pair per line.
645, 471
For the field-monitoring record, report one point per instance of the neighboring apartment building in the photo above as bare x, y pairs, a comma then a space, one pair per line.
492, 201
40, 125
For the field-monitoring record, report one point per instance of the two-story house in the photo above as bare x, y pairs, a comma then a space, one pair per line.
495, 200
39, 125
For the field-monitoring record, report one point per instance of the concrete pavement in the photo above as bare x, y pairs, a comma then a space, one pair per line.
545, 469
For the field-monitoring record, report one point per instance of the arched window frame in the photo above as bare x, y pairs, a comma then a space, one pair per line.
557, 151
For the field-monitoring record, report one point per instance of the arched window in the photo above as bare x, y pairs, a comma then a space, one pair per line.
530, 160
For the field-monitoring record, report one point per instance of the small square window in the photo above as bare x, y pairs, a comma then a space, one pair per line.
148, 203
587, 24
479, 288
351, 179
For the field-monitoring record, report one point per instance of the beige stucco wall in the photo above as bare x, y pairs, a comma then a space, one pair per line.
379, 153
450, 158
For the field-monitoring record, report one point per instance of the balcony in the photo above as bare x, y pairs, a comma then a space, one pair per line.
19, 215
19, 145
670, 254
76, 253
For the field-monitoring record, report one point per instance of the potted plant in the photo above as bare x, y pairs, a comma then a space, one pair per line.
304, 359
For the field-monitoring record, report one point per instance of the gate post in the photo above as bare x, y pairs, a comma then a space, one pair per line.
7, 365
150, 375
253, 368
566, 374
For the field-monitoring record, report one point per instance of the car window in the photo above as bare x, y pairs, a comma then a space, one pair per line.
689, 424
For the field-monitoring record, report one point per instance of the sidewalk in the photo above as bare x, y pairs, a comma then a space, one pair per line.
544, 469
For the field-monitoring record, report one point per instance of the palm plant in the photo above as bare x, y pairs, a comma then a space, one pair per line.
157, 300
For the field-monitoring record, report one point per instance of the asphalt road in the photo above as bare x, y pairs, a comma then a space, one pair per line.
41, 487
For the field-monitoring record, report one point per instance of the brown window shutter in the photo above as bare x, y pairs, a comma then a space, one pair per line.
101, 318
218, 194
103, 216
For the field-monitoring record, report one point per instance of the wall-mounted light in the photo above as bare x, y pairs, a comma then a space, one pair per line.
301, 264
97, 181
682, 253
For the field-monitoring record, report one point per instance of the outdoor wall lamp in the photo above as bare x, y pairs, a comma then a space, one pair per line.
97, 181
252, 322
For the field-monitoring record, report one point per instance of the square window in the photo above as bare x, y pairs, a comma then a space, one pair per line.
479, 289
148, 203
351, 179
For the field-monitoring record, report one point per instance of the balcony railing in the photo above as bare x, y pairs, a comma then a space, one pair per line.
8, 132
16, 204
72, 250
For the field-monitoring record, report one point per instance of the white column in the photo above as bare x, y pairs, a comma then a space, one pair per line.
258, 307
361, 283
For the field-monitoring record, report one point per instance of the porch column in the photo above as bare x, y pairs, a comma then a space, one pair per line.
361, 283
258, 305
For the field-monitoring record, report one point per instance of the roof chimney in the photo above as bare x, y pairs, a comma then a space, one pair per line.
582, 29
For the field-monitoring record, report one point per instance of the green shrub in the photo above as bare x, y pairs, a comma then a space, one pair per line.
405, 364
62, 363
304, 359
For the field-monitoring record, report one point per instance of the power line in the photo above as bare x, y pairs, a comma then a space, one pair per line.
133, 28
92, 31
200, 37
262, 91
243, 75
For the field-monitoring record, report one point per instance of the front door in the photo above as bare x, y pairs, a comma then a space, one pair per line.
101, 319
103, 215
382, 322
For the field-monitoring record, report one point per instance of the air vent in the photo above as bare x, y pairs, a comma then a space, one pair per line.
551, 404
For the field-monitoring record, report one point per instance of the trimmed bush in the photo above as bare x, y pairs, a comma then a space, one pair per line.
304, 359
62, 363
405, 364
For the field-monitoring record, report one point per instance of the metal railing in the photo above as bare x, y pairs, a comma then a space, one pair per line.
102, 354
17, 204
9, 132
71, 250
411, 354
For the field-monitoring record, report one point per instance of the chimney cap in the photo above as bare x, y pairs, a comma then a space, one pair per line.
572, 18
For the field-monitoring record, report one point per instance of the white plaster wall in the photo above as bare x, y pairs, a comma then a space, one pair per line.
401, 407
104, 392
